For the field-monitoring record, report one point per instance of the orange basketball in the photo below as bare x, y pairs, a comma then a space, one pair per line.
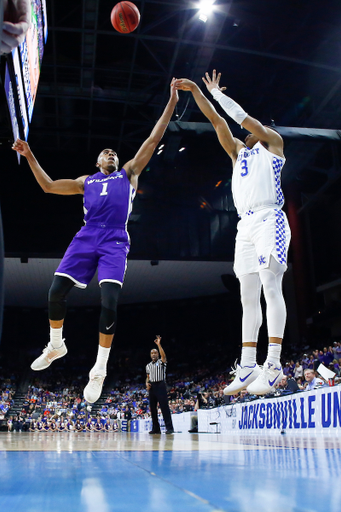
125, 17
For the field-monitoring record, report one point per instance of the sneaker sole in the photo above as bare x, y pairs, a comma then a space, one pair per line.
92, 401
46, 366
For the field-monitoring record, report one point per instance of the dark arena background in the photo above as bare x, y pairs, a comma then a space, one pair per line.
96, 89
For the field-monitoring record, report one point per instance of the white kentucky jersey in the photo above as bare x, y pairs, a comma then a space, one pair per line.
256, 180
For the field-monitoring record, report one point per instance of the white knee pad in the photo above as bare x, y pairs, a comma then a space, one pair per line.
276, 312
250, 290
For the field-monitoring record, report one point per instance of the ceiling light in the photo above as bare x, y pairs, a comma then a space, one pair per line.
181, 149
205, 9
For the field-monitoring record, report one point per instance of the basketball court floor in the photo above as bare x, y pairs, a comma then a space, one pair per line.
102, 472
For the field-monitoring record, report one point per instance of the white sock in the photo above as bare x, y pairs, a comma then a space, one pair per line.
248, 356
274, 354
56, 337
102, 358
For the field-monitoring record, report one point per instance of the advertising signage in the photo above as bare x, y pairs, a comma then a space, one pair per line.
23, 70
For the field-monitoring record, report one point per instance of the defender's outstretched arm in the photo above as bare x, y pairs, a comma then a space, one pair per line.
61, 187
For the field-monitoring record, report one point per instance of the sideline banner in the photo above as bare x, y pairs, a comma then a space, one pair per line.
317, 411
181, 423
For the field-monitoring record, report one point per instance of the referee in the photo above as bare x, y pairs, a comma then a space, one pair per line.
156, 385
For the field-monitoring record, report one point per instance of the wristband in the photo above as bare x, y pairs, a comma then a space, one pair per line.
231, 108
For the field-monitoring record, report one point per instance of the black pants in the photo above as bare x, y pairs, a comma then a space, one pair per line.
158, 393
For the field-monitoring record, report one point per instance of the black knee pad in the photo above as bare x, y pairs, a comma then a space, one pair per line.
57, 297
107, 321
108, 318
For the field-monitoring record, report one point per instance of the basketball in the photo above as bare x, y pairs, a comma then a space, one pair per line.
125, 17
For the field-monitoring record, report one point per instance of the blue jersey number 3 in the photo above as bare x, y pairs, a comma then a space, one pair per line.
243, 165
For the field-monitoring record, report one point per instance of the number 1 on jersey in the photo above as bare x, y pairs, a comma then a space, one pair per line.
104, 189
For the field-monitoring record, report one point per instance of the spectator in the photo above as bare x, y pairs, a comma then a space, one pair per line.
78, 426
287, 386
292, 367
316, 359
335, 367
337, 349
305, 362
243, 396
311, 362
328, 356
53, 426
300, 383
98, 425
286, 369
298, 371
312, 382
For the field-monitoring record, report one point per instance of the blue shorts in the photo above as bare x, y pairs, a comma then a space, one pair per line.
96, 246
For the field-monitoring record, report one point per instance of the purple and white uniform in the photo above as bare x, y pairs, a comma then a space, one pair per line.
104, 241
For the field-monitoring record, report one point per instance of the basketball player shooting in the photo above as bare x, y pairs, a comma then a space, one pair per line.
103, 243
263, 234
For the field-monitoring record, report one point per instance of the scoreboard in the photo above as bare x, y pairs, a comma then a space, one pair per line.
20, 76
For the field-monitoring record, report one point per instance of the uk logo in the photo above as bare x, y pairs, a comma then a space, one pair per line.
261, 260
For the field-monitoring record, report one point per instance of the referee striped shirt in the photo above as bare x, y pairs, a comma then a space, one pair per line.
156, 371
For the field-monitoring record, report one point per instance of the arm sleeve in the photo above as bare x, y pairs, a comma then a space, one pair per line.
232, 108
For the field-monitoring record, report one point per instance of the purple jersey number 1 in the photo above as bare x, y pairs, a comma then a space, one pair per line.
104, 189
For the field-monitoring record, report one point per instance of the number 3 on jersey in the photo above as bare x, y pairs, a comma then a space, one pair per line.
104, 189
243, 165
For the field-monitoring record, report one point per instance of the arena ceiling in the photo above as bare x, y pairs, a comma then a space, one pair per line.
98, 88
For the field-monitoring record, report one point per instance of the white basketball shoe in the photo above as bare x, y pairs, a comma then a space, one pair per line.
93, 389
49, 355
244, 375
267, 381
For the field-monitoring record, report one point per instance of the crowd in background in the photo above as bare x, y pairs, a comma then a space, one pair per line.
7, 391
54, 401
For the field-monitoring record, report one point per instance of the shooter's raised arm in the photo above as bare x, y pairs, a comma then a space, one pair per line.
263, 133
226, 139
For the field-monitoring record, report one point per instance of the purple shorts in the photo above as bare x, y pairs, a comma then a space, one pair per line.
96, 246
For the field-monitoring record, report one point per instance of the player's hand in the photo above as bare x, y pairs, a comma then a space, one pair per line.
22, 147
213, 83
184, 84
17, 17
157, 340
173, 91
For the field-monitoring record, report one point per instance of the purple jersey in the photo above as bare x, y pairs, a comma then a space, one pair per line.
108, 200
103, 243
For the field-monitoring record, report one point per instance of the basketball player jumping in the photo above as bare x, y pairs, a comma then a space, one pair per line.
102, 243
263, 232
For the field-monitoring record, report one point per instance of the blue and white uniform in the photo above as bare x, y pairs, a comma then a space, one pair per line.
263, 229
104, 241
